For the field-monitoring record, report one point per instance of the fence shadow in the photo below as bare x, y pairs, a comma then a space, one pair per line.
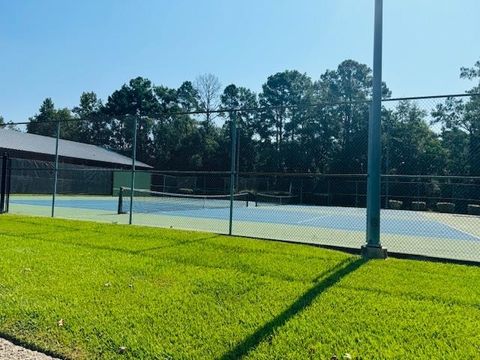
333, 276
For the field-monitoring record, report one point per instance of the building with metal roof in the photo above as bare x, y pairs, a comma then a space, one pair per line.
37, 147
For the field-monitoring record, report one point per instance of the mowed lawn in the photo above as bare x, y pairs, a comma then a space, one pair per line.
85, 290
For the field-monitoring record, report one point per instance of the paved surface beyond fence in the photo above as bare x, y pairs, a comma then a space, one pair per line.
419, 233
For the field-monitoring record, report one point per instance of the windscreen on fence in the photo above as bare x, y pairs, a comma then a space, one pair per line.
35, 177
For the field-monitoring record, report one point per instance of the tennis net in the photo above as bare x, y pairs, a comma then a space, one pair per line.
148, 201
262, 199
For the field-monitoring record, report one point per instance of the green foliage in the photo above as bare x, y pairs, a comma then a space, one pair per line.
413, 148
248, 126
94, 127
285, 95
295, 124
165, 294
460, 115
45, 122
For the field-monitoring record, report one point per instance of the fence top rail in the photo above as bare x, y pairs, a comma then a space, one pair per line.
441, 177
427, 97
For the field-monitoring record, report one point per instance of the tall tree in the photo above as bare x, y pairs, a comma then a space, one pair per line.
43, 123
135, 100
285, 97
188, 97
208, 90
413, 147
234, 97
457, 114
93, 125
456, 145
346, 91
173, 131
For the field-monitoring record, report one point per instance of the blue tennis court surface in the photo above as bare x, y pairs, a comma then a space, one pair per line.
397, 222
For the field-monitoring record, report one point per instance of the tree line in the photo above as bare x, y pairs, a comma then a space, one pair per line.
295, 124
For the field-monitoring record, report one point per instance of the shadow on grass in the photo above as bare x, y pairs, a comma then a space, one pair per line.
326, 281
29, 346
40, 237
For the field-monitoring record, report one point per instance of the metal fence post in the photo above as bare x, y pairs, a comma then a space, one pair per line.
3, 184
387, 168
55, 175
356, 193
301, 191
237, 155
8, 185
373, 248
132, 180
232, 169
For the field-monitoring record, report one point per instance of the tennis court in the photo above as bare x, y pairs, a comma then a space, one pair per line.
420, 233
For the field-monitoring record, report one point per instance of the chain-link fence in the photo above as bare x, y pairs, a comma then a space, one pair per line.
294, 173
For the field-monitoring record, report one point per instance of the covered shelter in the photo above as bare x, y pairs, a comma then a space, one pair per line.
84, 168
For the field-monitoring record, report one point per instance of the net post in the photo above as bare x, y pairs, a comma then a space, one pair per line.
232, 168
3, 185
373, 247
132, 179
55, 175
120, 201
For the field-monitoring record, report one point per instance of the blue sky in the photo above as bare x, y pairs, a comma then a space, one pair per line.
58, 48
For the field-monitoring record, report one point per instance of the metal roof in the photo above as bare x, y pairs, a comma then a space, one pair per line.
16, 140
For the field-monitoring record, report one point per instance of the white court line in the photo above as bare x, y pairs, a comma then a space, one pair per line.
310, 220
438, 221
462, 231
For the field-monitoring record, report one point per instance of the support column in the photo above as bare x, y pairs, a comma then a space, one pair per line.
132, 179
55, 176
232, 169
373, 248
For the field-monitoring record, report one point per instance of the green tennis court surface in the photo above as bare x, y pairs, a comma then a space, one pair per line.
421, 233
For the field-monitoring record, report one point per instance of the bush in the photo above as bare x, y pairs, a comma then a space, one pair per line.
473, 209
446, 207
395, 204
419, 205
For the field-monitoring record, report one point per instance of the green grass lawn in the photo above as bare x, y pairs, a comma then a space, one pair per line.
165, 294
